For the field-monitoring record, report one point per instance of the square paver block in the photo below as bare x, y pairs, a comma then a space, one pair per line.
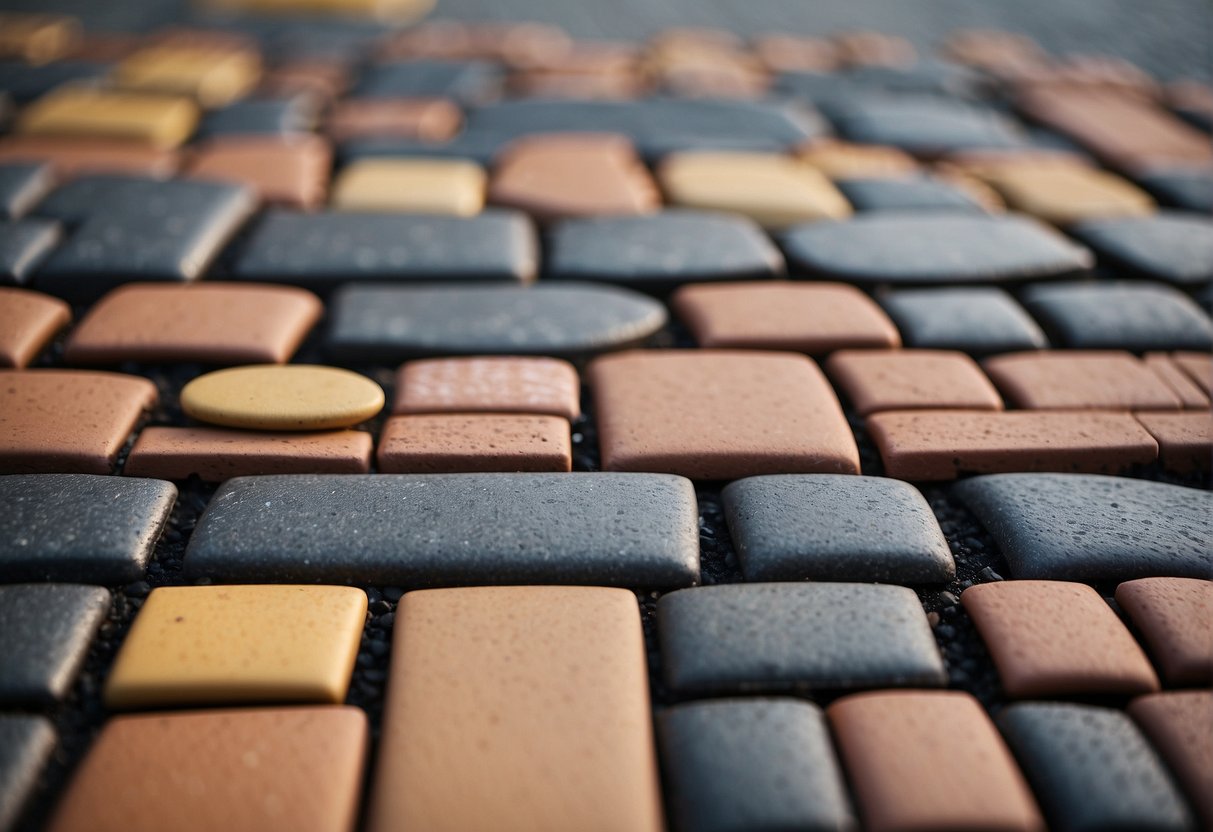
68, 421
1126, 316
26, 744
240, 770
1080, 380
1091, 768
424, 186
1073, 527
875, 380
214, 645
209, 323
1055, 638
28, 321
451, 443
47, 630
922, 445
1175, 619
492, 687
719, 414
774, 191
659, 251
490, 384
930, 760
815, 318
743, 764
1177, 725
769, 637
978, 320
832, 527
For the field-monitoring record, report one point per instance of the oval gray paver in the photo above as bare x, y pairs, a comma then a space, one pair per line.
391, 323
80, 527
932, 248
741, 764
835, 527
977, 320
1094, 528
449, 530
817, 636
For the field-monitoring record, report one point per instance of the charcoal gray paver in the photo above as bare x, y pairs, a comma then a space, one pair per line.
907, 193
24, 244
1094, 528
47, 629
1129, 316
661, 251
1190, 190
1092, 769
326, 249
1173, 246
819, 636
979, 320
80, 527
833, 527
935, 248
925, 125
465, 81
21, 185
423, 530
26, 743
736, 765
140, 231
392, 323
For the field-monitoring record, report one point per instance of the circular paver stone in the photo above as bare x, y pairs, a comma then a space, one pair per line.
295, 397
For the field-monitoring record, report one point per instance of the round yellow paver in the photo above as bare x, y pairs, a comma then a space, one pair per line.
273, 397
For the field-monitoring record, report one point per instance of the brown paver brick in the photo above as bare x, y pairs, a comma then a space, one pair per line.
1198, 366
877, 380
943, 444
28, 321
426, 119
1056, 638
1002, 54
489, 385
816, 318
1079, 380
456, 443
1125, 131
1190, 394
1175, 619
1179, 725
213, 323
908, 773
719, 414
1185, 440
559, 175
67, 421
773, 190
218, 454
517, 708
292, 171
869, 48
240, 770
794, 53
74, 157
